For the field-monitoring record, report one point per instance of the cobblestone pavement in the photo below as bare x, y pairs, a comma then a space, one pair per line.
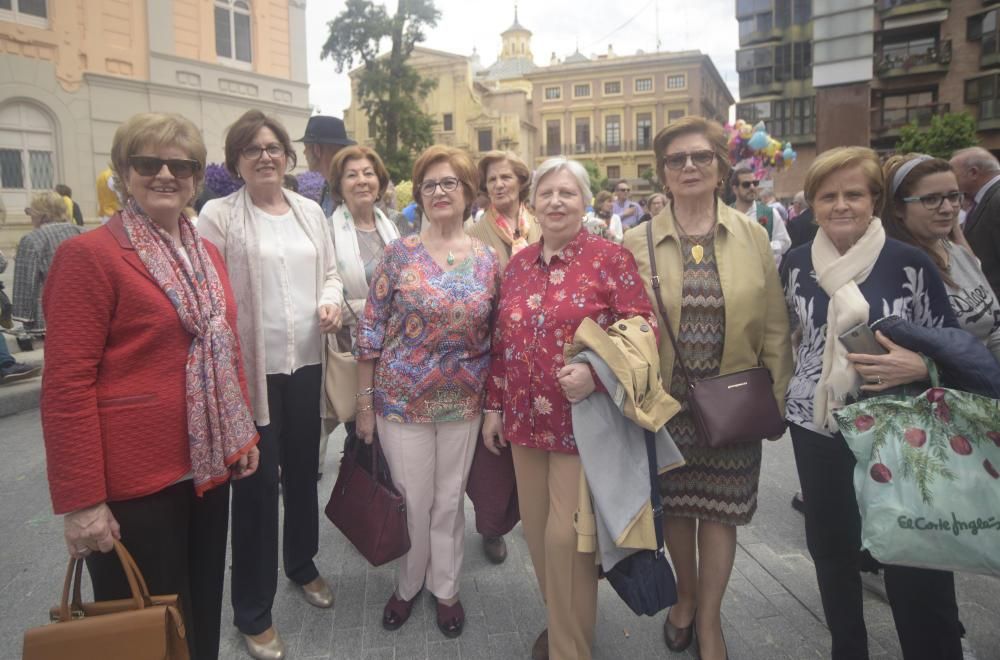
772, 608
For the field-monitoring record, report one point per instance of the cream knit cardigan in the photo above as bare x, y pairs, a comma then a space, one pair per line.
231, 224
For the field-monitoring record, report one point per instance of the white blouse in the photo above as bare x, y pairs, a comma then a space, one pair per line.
292, 338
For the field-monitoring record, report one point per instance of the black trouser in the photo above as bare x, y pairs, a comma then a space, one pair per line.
290, 441
178, 541
922, 600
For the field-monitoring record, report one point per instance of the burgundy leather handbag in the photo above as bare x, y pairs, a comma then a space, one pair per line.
367, 508
729, 408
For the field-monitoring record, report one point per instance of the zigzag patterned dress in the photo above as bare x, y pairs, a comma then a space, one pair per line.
716, 484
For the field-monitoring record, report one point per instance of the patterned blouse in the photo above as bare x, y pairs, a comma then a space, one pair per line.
903, 282
430, 331
541, 306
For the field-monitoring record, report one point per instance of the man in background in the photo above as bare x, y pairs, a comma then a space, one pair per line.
324, 137
744, 185
978, 175
623, 207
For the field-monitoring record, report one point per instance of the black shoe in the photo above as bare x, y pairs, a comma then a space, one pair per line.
495, 549
18, 371
798, 503
677, 639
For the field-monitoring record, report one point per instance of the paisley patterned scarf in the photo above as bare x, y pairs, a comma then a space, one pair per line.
515, 237
220, 426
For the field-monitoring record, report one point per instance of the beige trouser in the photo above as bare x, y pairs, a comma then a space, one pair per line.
547, 490
430, 466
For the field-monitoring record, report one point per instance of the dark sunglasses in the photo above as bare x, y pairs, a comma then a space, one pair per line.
182, 168
933, 201
702, 158
747, 184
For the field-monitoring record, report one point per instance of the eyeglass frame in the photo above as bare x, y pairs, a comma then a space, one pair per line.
274, 146
751, 182
429, 186
958, 195
665, 160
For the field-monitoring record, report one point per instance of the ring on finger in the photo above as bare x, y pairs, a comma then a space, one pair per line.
878, 380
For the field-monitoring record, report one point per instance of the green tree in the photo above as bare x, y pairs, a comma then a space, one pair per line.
945, 135
595, 176
388, 89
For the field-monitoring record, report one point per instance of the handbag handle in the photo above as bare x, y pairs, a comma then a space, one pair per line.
74, 575
654, 281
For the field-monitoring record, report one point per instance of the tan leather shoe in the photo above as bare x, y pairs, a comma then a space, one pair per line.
317, 593
540, 649
271, 649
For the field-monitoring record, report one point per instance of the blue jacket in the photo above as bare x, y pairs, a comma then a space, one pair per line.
963, 361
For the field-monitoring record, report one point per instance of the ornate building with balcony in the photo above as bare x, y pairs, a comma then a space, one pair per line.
74, 71
928, 57
605, 109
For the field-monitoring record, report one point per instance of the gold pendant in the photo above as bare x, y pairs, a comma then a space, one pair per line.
697, 253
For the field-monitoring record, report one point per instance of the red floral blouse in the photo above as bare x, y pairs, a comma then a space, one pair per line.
541, 306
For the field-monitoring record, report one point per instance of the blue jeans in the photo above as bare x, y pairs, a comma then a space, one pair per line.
6, 359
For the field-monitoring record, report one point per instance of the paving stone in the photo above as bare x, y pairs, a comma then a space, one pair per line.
771, 611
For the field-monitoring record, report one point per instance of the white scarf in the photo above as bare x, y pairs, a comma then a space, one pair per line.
839, 275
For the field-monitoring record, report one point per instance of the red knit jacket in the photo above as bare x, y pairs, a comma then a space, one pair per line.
114, 413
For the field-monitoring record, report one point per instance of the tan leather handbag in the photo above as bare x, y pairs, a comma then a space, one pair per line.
142, 627
341, 382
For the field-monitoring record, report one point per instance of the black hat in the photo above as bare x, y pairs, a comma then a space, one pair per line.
326, 130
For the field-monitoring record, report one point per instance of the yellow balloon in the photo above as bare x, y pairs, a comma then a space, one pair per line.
746, 130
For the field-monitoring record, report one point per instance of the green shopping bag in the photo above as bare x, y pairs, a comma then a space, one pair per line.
927, 478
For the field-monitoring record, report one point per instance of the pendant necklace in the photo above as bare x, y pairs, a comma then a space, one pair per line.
697, 249
450, 258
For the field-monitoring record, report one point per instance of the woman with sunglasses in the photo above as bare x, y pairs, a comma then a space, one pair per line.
423, 349
721, 290
278, 248
144, 405
923, 211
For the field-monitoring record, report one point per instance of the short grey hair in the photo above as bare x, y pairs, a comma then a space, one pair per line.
976, 157
556, 164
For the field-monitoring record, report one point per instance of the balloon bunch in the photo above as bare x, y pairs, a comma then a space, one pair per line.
756, 148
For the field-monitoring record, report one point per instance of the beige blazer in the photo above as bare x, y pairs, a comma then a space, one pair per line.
229, 223
757, 330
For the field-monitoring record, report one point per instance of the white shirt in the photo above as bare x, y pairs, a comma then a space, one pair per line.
780, 240
288, 294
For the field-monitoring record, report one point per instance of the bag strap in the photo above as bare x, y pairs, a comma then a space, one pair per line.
74, 578
654, 496
654, 282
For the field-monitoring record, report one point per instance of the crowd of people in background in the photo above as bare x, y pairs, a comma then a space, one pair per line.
187, 355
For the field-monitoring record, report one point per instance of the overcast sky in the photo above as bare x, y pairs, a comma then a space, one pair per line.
557, 26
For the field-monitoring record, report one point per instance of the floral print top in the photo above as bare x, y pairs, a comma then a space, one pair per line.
429, 329
541, 306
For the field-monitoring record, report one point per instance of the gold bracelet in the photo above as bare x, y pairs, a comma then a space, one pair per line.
364, 408
368, 391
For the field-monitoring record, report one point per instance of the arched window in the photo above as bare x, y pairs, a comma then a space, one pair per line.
27, 153
232, 30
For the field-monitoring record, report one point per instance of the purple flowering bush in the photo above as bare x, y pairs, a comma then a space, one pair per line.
311, 185
219, 181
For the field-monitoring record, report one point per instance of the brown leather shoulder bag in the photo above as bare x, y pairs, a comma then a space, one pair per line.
729, 408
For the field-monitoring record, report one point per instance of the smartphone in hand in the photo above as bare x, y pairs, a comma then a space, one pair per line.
861, 339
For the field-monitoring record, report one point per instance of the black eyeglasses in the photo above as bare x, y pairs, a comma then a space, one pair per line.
182, 168
702, 158
933, 201
448, 184
747, 184
253, 152
624, 190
